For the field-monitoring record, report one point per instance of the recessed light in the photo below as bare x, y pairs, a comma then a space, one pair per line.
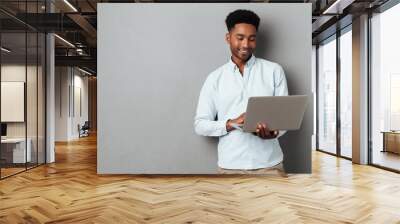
5, 50
84, 71
64, 40
70, 5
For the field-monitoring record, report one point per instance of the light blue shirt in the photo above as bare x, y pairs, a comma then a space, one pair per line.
224, 96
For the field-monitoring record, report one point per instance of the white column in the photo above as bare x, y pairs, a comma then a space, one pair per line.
360, 90
50, 92
50, 100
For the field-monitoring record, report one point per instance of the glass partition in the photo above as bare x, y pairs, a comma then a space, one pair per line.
22, 63
32, 96
14, 153
41, 87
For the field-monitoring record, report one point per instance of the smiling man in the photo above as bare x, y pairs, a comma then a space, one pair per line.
223, 101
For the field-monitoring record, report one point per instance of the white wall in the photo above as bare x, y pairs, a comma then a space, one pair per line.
15, 73
69, 82
12, 73
61, 103
79, 117
33, 127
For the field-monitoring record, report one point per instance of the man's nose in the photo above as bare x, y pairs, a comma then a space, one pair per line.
245, 43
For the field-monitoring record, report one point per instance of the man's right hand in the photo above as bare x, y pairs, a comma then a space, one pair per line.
238, 120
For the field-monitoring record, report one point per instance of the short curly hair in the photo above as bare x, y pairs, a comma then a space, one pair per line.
242, 16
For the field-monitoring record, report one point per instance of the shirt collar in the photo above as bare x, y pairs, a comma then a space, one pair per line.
249, 63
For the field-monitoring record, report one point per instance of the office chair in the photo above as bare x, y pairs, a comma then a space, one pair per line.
84, 130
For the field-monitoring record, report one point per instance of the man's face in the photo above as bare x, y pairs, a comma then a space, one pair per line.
242, 40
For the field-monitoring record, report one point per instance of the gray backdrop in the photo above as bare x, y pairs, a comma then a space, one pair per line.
152, 62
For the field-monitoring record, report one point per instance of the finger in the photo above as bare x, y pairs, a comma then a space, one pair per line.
266, 127
265, 134
272, 133
262, 131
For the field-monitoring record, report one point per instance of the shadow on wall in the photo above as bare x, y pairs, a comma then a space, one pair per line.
262, 44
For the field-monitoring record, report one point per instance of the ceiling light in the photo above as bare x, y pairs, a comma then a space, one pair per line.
5, 50
64, 40
70, 5
84, 71
328, 10
338, 6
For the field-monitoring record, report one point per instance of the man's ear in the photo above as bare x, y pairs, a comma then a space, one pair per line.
227, 37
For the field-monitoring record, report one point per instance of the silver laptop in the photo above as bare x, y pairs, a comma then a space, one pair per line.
278, 112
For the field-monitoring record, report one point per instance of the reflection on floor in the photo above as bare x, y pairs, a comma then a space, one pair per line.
346, 152
10, 169
386, 159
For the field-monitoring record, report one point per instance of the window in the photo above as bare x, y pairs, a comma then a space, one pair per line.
385, 89
346, 94
327, 96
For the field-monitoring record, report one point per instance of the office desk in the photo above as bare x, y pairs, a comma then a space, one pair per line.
13, 150
391, 141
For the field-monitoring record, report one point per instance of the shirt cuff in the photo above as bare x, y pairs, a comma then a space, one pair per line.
222, 127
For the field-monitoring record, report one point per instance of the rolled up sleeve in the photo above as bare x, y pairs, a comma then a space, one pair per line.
204, 121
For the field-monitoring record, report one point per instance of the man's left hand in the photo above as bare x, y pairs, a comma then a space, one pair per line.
264, 132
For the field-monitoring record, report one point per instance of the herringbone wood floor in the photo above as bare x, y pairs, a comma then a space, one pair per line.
70, 191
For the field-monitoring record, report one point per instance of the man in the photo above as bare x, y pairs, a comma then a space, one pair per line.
223, 99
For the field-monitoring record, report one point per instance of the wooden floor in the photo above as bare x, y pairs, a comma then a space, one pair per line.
70, 191
5, 172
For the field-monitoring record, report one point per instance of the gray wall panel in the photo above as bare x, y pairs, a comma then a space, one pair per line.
152, 62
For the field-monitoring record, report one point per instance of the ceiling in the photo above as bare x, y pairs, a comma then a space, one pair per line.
76, 22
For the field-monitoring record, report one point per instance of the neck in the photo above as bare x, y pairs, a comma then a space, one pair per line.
239, 62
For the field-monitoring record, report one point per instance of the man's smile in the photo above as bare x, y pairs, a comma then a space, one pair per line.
244, 51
